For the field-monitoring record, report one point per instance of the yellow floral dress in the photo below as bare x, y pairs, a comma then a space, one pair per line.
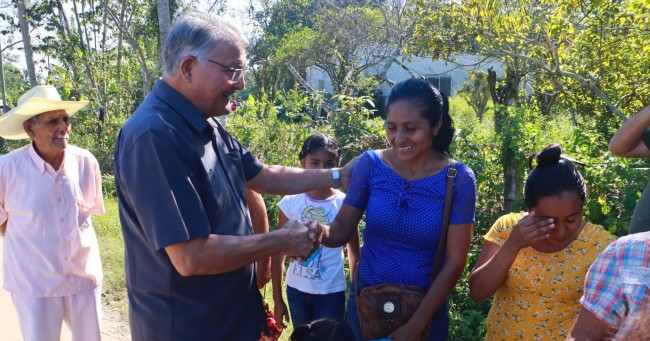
540, 299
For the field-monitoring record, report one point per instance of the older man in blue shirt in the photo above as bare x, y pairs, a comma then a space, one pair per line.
180, 179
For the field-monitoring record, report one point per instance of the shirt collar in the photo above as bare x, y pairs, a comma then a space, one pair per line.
181, 106
40, 164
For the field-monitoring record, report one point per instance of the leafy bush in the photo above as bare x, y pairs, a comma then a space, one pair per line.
276, 140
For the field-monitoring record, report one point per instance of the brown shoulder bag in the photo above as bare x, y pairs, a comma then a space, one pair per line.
385, 307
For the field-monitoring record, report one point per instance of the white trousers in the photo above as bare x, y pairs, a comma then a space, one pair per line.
41, 318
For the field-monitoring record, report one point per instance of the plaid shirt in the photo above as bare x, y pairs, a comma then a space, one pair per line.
618, 282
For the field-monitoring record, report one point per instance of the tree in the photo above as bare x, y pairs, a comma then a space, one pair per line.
477, 92
341, 39
276, 20
164, 19
23, 20
567, 47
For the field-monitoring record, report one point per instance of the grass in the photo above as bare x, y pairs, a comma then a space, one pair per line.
267, 293
111, 246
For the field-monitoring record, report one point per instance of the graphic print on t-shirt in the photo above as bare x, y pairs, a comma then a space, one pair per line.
311, 267
315, 213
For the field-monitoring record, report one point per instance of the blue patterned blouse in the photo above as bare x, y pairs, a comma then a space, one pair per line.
403, 219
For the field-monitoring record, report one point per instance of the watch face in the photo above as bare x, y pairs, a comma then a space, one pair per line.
335, 178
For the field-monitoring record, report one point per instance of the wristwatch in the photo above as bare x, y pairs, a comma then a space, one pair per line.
336, 177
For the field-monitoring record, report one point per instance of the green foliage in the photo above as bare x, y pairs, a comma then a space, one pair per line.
355, 127
273, 140
341, 39
88, 132
613, 186
476, 92
108, 187
15, 82
276, 138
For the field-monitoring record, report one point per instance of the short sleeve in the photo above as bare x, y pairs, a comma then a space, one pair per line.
98, 207
160, 189
500, 230
358, 191
3, 212
602, 290
285, 206
464, 200
250, 164
646, 138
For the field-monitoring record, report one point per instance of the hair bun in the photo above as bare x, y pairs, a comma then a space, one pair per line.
549, 156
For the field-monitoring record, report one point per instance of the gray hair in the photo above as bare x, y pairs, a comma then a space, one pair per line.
196, 34
34, 119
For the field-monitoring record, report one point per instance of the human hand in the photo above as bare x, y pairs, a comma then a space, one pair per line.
528, 231
407, 332
281, 312
302, 240
315, 232
263, 272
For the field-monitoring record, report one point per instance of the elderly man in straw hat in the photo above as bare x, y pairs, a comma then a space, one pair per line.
48, 190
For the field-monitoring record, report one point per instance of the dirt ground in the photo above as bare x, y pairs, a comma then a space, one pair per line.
113, 327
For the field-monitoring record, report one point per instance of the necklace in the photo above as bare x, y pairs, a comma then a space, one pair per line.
317, 213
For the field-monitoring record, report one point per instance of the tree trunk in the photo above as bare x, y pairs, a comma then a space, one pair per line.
87, 53
118, 67
503, 97
64, 22
2, 84
146, 75
103, 92
164, 19
27, 43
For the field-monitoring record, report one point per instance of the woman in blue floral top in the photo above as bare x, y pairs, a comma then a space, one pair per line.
402, 192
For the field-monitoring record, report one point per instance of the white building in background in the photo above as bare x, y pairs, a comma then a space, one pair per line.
448, 76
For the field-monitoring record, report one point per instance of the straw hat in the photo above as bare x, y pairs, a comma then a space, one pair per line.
40, 99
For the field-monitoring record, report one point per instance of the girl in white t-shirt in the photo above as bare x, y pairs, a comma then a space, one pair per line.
316, 286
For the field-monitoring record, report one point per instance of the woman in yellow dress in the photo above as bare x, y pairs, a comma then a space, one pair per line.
535, 262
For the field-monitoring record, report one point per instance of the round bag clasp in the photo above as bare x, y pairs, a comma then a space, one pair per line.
389, 307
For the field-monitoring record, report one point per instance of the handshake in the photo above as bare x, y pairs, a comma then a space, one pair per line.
302, 239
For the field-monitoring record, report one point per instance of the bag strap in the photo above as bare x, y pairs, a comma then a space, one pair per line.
451, 176
442, 243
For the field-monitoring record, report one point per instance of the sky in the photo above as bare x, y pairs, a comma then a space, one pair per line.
235, 11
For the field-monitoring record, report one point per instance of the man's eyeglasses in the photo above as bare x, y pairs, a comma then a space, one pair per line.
237, 74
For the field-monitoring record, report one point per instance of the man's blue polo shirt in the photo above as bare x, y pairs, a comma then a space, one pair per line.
172, 187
